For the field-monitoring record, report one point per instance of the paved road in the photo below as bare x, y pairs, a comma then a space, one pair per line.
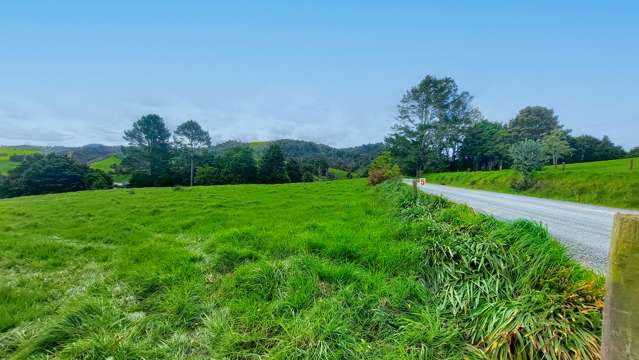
583, 229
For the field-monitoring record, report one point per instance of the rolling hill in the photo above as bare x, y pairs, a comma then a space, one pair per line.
6, 153
352, 158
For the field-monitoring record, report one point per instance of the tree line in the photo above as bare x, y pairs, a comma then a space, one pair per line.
155, 157
439, 129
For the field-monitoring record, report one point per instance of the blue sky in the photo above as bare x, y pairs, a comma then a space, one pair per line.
73, 73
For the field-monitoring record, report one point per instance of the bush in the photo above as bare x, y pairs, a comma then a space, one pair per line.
528, 157
383, 168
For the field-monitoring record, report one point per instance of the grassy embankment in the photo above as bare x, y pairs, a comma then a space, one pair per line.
338, 173
326, 270
107, 164
6, 153
608, 183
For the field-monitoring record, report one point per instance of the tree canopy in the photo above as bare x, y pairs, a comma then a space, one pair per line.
484, 145
52, 173
532, 123
431, 122
191, 139
148, 154
273, 167
556, 146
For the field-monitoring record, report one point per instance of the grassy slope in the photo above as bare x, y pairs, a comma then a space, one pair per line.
5, 154
106, 165
319, 270
338, 173
608, 183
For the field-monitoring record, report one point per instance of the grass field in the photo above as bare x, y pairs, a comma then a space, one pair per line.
106, 165
6, 153
326, 270
608, 183
338, 173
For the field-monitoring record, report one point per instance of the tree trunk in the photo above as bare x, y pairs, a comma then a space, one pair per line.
191, 169
621, 313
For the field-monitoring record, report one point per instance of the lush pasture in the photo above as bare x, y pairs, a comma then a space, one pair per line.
608, 183
338, 173
107, 164
5, 155
326, 270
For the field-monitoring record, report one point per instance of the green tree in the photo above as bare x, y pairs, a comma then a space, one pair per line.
272, 166
532, 123
634, 152
294, 170
556, 146
484, 145
589, 148
238, 166
194, 140
148, 154
52, 173
432, 118
208, 175
528, 157
382, 168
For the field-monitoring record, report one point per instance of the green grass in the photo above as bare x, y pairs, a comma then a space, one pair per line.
326, 270
6, 153
608, 183
338, 173
107, 164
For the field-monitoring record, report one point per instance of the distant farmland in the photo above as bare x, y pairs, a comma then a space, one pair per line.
107, 164
608, 183
5, 154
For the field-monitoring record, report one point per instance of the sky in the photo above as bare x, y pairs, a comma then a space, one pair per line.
80, 72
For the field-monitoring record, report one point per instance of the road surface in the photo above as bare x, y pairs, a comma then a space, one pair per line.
583, 229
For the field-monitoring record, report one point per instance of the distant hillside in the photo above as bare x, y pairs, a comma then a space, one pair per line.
10, 157
351, 158
84, 154
340, 158
88, 153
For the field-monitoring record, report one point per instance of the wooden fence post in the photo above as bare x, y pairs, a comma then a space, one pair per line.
415, 188
621, 307
632, 164
563, 166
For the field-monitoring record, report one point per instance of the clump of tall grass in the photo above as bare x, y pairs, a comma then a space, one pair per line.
510, 287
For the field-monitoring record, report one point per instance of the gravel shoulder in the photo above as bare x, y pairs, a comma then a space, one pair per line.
583, 229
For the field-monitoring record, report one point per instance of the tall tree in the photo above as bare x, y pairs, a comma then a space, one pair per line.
634, 152
589, 148
294, 170
556, 146
148, 154
532, 123
432, 118
485, 145
272, 166
238, 166
193, 139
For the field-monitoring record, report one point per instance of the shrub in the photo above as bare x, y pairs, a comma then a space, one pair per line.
528, 157
383, 168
